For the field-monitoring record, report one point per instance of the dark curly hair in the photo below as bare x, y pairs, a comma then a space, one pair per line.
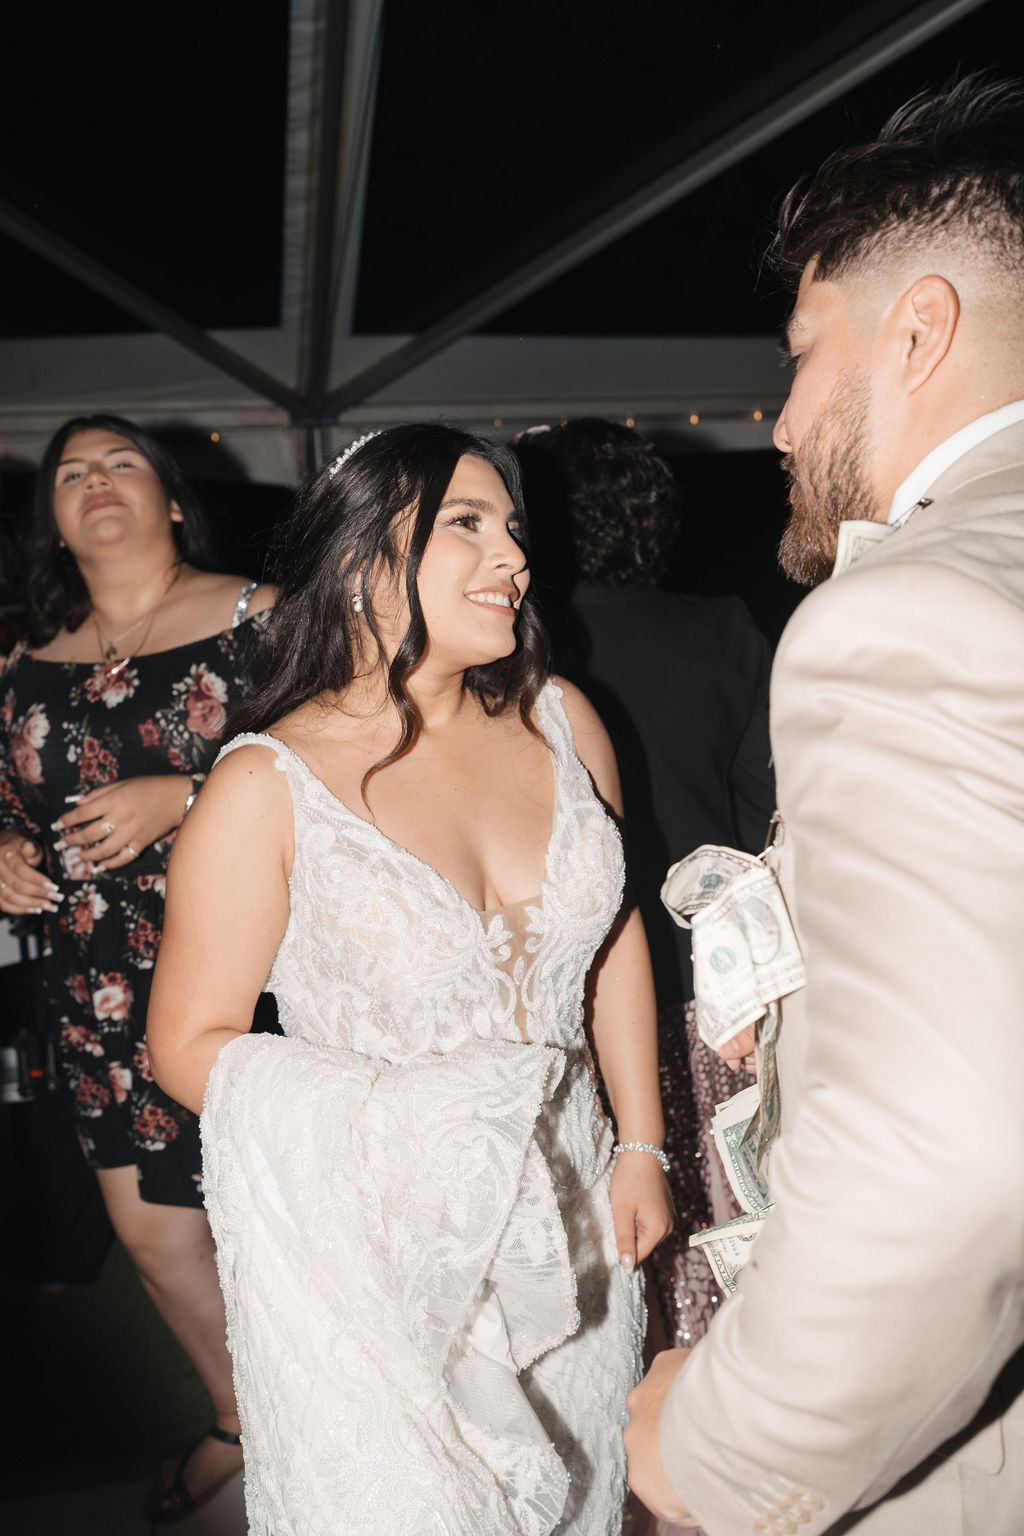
352, 519
56, 597
948, 162
619, 495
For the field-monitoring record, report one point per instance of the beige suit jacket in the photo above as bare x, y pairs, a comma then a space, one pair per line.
883, 1306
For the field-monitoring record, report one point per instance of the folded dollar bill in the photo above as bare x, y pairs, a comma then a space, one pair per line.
745, 952
856, 539
738, 1150
702, 877
727, 1247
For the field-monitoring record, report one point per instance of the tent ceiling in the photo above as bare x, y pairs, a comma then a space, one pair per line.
583, 187
152, 137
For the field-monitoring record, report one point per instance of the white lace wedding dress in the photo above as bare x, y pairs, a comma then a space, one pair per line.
430, 1332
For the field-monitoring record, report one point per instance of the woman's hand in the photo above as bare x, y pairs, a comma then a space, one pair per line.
117, 821
23, 887
641, 1206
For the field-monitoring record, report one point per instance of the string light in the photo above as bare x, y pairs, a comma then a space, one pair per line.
630, 421
497, 421
759, 415
214, 437
694, 419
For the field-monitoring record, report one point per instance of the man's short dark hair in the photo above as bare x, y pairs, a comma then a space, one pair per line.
948, 162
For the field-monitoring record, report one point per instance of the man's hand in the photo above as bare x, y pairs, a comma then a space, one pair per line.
646, 1473
737, 1052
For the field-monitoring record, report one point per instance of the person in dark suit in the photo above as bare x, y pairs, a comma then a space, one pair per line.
681, 683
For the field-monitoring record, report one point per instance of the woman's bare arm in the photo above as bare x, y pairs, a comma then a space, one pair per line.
624, 1025
227, 910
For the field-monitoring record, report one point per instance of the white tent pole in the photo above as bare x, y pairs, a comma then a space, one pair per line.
856, 66
299, 170
327, 93
343, 93
359, 100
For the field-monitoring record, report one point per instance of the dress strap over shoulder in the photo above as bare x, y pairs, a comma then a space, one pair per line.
285, 755
242, 604
554, 721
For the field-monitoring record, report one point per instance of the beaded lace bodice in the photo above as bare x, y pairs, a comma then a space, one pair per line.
409, 1192
410, 965
513, 948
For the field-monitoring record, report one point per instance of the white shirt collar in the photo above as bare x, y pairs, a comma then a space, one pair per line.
914, 488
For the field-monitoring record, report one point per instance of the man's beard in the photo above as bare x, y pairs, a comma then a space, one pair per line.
828, 482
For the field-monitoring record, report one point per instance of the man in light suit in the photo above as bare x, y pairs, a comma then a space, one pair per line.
867, 1376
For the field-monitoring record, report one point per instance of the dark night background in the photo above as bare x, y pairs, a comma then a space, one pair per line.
154, 136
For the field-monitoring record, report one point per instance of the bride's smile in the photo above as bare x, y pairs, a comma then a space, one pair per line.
473, 573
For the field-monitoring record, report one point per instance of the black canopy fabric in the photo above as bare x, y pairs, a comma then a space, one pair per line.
280, 223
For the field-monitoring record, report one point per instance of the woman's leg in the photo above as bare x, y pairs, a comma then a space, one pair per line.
172, 1248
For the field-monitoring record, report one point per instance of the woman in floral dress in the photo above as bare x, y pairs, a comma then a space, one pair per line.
109, 714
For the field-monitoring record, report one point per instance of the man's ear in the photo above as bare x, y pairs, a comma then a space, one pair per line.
926, 318
177, 516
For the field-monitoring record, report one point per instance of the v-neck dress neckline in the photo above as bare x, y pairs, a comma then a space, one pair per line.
449, 885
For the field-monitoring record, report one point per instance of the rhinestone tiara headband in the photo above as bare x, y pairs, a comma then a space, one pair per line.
352, 448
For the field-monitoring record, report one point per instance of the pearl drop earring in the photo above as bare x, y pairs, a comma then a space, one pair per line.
357, 602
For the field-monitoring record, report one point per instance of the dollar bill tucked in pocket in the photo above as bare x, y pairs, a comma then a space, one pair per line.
739, 1150
745, 952
727, 1247
856, 539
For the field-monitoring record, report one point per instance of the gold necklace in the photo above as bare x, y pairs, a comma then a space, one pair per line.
109, 660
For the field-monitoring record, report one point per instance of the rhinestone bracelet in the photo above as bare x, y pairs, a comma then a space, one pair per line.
197, 780
642, 1146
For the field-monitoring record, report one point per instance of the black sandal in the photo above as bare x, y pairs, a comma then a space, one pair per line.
169, 1500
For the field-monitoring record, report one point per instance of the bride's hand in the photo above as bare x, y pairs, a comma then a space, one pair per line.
641, 1206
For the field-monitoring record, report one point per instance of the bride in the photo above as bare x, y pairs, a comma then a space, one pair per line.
427, 1245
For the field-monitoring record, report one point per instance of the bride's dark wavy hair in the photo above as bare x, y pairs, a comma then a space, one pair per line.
375, 513
55, 594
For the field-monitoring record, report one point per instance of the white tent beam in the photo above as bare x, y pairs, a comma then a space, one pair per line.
135, 301
818, 91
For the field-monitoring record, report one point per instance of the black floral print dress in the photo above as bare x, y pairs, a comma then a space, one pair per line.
67, 728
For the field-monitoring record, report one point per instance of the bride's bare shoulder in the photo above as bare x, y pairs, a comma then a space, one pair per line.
248, 767
308, 723
328, 739
581, 714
